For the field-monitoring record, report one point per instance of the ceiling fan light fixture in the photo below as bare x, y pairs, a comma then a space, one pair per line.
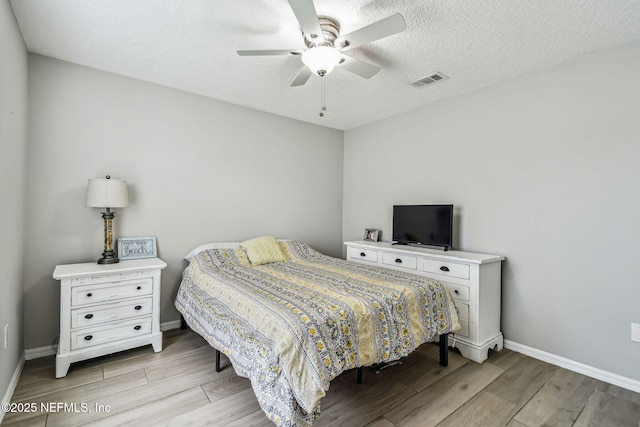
321, 60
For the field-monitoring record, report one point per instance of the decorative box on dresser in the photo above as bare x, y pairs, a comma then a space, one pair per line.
105, 308
473, 279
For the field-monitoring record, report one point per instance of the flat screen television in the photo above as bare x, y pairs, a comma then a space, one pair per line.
429, 225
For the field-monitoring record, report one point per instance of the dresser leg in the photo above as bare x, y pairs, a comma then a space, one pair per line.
157, 343
62, 367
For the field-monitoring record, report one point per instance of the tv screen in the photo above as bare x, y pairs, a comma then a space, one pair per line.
430, 225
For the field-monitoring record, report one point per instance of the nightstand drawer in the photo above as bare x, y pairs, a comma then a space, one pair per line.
459, 292
404, 261
81, 295
362, 254
446, 268
110, 333
95, 315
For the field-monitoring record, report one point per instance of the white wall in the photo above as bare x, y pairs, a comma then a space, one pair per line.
543, 169
199, 170
13, 173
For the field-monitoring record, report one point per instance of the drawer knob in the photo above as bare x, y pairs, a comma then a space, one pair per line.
444, 268
456, 292
398, 260
88, 337
139, 287
363, 254
137, 327
138, 307
89, 294
88, 316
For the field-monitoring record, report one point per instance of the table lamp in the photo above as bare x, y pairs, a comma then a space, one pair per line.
107, 193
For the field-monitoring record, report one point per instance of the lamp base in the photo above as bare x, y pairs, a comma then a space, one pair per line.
108, 257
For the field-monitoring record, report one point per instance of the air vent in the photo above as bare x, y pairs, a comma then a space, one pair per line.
427, 80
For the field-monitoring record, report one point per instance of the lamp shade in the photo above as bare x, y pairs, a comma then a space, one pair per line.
321, 59
107, 193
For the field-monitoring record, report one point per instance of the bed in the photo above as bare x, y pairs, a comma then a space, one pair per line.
293, 325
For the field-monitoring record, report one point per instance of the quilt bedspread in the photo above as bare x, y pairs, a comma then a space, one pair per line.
291, 327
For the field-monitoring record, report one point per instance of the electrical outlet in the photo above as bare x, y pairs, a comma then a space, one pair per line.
6, 336
635, 332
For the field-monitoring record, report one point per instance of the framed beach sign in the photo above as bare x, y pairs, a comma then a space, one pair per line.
137, 247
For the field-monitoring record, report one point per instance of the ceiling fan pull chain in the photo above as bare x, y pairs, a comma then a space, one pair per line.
323, 107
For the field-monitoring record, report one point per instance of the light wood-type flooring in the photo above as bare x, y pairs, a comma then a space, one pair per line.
179, 387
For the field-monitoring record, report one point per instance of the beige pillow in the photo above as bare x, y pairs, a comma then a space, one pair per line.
263, 250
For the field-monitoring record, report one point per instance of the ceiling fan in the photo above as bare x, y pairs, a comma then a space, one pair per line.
326, 47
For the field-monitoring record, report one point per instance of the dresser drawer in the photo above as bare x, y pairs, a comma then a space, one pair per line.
458, 292
81, 295
95, 315
362, 254
110, 332
405, 261
446, 268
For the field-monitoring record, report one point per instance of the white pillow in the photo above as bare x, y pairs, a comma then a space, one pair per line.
219, 245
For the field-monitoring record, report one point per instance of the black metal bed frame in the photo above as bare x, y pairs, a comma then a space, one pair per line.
443, 343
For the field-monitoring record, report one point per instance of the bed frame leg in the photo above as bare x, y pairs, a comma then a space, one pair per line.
218, 361
359, 375
183, 323
444, 350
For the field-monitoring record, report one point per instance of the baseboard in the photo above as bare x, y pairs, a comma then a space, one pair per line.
38, 352
174, 324
12, 384
574, 366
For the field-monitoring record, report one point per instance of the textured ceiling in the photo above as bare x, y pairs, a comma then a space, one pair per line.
191, 45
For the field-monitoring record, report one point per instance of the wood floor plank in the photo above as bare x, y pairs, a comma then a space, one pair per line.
514, 423
483, 409
49, 384
421, 376
504, 358
620, 392
37, 421
380, 422
519, 383
254, 419
155, 412
366, 406
605, 410
505, 396
225, 386
559, 401
435, 403
219, 413
172, 349
134, 397
203, 359
87, 392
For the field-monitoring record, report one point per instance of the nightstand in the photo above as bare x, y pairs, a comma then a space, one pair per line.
105, 308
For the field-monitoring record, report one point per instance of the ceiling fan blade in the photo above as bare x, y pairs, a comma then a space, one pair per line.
358, 67
302, 77
376, 31
306, 14
268, 52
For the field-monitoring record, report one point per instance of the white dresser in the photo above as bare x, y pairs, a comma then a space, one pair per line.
105, 308
473, 279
